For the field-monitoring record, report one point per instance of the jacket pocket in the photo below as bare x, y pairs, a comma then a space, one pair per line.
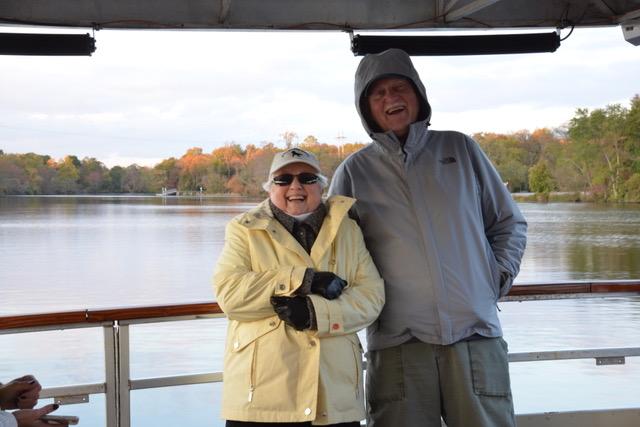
489, 367
494, 269
341, 371
247, 332
357, 357
242, 362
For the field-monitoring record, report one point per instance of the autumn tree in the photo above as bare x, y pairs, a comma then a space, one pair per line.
13, 179
256, 169
67, 179
35, 169
137, 179
167, 173
93, 176
227, 160
193, 169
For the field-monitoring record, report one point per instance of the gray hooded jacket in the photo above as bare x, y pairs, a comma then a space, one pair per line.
441, 226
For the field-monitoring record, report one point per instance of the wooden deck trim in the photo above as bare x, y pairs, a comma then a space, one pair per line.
91, 316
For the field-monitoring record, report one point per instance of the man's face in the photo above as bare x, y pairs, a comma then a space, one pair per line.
296, 198
394, 105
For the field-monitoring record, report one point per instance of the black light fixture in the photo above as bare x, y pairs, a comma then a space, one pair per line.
458, 45
47, 44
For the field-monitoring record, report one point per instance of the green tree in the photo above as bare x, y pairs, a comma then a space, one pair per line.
35, 168
540, 180
508, 156
167, 173
116, 177
67, 179
599, 140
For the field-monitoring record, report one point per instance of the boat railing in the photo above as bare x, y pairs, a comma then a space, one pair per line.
118, 383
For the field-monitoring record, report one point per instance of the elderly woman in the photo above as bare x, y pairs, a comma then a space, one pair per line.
296, 282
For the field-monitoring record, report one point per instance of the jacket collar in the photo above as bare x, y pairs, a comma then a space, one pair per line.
261, 218
390, 144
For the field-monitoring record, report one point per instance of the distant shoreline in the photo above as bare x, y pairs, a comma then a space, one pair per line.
563, 197
553, 197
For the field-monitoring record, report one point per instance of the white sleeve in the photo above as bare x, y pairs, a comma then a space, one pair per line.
7, 420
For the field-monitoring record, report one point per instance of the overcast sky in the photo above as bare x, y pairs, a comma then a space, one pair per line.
148, 95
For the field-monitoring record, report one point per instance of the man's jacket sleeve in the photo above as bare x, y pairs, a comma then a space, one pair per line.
504, 224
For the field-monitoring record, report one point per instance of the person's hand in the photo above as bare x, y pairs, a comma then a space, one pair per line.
21, 393
293, 311
327, 284
31, 417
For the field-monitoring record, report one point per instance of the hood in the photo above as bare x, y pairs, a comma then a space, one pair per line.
390, 63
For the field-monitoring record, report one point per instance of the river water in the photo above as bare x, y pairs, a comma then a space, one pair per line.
67, 253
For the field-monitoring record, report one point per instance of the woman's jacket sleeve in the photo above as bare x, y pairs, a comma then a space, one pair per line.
244, 294
361, 302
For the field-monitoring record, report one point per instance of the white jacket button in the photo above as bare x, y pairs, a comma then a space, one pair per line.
307, 411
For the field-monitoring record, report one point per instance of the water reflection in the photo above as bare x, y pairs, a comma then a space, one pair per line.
63, 253
581, 242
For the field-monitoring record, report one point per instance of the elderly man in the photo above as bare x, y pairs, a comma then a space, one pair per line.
448, 240
296, 283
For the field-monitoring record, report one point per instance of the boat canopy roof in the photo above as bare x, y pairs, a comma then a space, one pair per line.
349, 15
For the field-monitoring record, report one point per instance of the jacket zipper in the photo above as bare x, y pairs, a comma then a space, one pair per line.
253, 372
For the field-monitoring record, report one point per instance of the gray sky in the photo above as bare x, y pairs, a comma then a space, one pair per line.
148, 95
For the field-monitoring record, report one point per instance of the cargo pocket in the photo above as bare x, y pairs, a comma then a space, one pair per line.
385, 375
489, 367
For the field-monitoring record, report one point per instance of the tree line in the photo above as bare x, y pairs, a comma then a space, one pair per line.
596, 154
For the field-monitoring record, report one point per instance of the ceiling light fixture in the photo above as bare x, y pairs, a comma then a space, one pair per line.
458, 45
47, 44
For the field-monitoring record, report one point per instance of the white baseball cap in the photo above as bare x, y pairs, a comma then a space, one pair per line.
293, 155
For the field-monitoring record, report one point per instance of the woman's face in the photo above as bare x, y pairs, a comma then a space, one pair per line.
296, 198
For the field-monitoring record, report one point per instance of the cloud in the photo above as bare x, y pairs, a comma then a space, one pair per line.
154, 94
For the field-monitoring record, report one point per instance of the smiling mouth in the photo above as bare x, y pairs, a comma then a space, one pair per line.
395, 109
296, 199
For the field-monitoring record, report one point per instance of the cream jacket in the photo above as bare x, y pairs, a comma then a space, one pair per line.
273, 373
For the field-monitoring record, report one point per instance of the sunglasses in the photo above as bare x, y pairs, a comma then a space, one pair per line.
305, 178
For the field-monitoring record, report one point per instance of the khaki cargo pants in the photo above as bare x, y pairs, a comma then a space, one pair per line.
414, 384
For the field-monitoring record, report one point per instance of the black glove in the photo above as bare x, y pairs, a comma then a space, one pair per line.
293, 311
327, 284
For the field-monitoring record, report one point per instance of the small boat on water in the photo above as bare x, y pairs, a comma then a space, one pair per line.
168, 192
